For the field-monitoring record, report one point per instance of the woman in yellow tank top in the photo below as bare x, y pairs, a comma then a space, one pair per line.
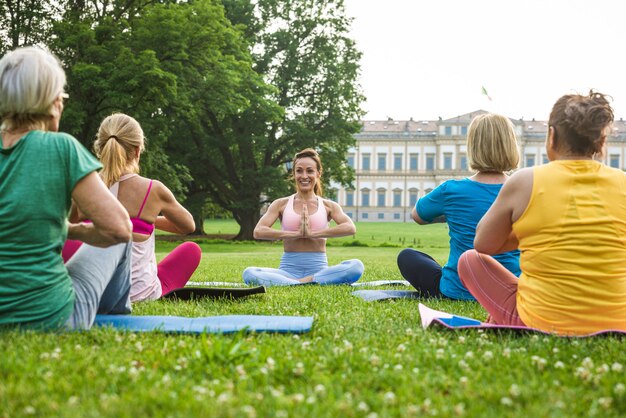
568, 218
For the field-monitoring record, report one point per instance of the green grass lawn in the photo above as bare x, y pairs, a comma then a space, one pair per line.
360, 359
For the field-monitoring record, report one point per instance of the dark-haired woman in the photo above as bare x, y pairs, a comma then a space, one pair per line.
304, 218
568, 218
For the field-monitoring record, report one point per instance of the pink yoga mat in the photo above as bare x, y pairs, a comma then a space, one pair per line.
449, 321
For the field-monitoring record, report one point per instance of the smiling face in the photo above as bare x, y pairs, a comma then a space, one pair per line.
306, 174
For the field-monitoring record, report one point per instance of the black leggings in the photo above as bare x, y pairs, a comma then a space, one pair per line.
421, 271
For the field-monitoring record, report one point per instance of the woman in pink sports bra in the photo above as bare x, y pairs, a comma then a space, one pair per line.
150, 204
304, 219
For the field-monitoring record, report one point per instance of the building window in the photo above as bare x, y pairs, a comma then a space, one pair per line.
365, 198
351, 160
365, 162
544, 159
614, 160
530, 160
396, 216
463, 162
430, 162
380, 198
448, 130
447, 161
365, 215
382, 162
381, 216
427, 191
349, 198
397, 198
463, 130
413, 162
349, 215
397, 162
412, 197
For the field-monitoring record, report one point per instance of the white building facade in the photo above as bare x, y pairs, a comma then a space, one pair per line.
397, 162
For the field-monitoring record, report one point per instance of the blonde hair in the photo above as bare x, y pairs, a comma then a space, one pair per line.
491, 144
312, 154
117, 141
31, 79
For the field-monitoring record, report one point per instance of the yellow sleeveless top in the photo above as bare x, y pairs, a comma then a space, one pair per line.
572, 238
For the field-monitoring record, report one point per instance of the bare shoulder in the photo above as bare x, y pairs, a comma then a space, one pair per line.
334, 210
161, 190
279, 204
330, 205
522, 179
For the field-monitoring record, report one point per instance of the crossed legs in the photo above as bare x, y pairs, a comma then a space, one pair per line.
492, 285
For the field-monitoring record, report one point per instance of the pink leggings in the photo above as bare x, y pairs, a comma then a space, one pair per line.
173, 271
492, 285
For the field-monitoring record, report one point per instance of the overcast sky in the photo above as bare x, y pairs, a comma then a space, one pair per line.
430, 58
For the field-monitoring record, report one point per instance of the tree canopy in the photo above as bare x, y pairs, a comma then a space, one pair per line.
226, 92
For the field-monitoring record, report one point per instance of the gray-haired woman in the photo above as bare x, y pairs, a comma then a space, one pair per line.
41, 172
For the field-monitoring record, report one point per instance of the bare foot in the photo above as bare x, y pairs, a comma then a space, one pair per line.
307, 279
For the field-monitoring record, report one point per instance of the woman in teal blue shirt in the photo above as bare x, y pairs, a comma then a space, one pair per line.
491, 151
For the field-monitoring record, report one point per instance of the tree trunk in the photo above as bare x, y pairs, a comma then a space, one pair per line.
195, 205
247, 220
198, 219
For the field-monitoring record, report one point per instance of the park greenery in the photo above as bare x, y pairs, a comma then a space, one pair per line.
361, 359
226, 91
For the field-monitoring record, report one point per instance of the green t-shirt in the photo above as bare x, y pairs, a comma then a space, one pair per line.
37, 176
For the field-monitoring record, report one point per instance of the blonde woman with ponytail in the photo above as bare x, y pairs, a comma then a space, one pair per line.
151, 206
304, 218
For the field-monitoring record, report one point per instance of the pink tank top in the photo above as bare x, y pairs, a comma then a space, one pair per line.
291, 220
145, 284
139, 225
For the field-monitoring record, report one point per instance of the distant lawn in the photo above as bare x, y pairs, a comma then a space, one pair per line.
371, 233
360, 359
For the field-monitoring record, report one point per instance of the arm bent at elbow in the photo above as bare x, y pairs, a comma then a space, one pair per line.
344, 226
494, 233
176, 218
415, 216
264, 230
110, 223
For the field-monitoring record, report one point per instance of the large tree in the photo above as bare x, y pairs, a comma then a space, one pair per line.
110, 71
216, 85
226, 95
301, 48
26, 22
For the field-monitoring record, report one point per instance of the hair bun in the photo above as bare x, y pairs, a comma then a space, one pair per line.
589, 115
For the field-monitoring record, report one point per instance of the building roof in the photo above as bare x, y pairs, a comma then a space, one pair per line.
466, 118
396, 126
431, 127
619, 127
534, 126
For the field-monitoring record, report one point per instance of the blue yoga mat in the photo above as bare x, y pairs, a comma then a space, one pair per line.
371, 295
210, 325
382, 283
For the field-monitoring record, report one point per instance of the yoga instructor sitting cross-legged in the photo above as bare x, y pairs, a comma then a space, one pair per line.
304, 219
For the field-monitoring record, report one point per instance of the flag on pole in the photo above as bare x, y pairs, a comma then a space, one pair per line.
484, 91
